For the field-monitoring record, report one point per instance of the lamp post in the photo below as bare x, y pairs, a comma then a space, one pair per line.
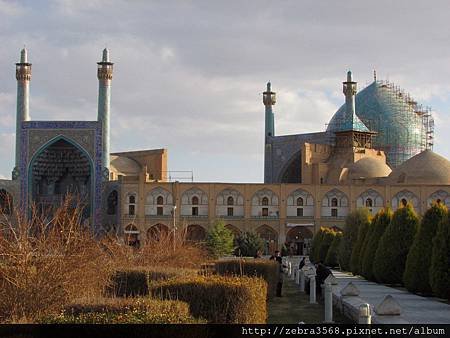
174, 225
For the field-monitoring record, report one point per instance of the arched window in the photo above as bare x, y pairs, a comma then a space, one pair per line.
300, 202
112, 203
334, 202
132, 205
404, 202
195, 200
160, 200
265, 201
132, 199
369, 203
230, 200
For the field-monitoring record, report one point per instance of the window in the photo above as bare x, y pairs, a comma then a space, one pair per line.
159, 211
265, 201
300, 212
230, 201
131, 209
194, 211
369, 203
230, 212
334, 212
404, 202
160, 200
195, 200
334, 202
265, 211
132, 199
300, 201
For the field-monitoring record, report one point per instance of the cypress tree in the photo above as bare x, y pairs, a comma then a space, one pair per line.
352, 223
440, 260
327, 239
365, 244
363, 226
316, 243
417, 269
332, 255
379, 225
390, 258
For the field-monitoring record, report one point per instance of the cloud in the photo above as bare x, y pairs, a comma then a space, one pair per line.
189, 75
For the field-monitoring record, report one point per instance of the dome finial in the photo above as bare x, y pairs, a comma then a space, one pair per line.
375, 75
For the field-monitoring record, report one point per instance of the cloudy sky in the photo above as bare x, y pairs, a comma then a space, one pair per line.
189, 74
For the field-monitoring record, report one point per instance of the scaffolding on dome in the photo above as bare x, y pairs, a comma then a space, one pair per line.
414, 131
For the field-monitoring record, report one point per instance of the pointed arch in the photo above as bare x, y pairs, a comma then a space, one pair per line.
440, 196
370, 199
335, 204
300, 203
405, 196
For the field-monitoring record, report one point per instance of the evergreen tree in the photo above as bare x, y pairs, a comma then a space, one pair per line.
365, 244
332, 255
356, 250
220, 240
327, 238
379, 224
440, 260
248, 244
316, 243
394, 246
417, 269
352, 224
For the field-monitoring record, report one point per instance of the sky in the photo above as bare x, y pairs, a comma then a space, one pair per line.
189, 75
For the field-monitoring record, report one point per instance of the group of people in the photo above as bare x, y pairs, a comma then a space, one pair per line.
322, 272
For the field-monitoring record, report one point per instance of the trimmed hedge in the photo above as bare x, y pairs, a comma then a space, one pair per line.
266, 269
132, 282
363, 228
124, 311
379, 224
219, 299
390, 258
332, 255
417, 269
352, 223
440, 260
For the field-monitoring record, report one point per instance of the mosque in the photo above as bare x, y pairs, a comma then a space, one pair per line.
375, 152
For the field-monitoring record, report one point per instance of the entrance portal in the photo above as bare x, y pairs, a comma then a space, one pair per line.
60, 170
298, 240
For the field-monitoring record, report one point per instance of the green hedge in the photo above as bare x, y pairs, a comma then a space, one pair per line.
379, 224
132, 282
440, 260
390, 258
219, 299
417, 270
266, 269
124, 311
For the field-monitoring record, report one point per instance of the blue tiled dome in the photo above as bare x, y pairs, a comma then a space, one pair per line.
385, 109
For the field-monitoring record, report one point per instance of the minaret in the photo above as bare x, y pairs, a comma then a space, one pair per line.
349, 89
269, 99
23, 76
104, 75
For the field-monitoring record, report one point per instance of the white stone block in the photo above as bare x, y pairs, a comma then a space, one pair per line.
350, 290
388, 307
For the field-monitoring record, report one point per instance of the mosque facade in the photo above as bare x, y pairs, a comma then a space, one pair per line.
375, 153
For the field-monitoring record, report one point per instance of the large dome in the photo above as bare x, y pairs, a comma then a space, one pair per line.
424, 168
368, 167
397, 119
122, 165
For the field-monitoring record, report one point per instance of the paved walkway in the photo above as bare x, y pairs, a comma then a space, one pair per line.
415, 309
293, 307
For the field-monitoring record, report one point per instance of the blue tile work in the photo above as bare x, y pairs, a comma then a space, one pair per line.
25, 159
